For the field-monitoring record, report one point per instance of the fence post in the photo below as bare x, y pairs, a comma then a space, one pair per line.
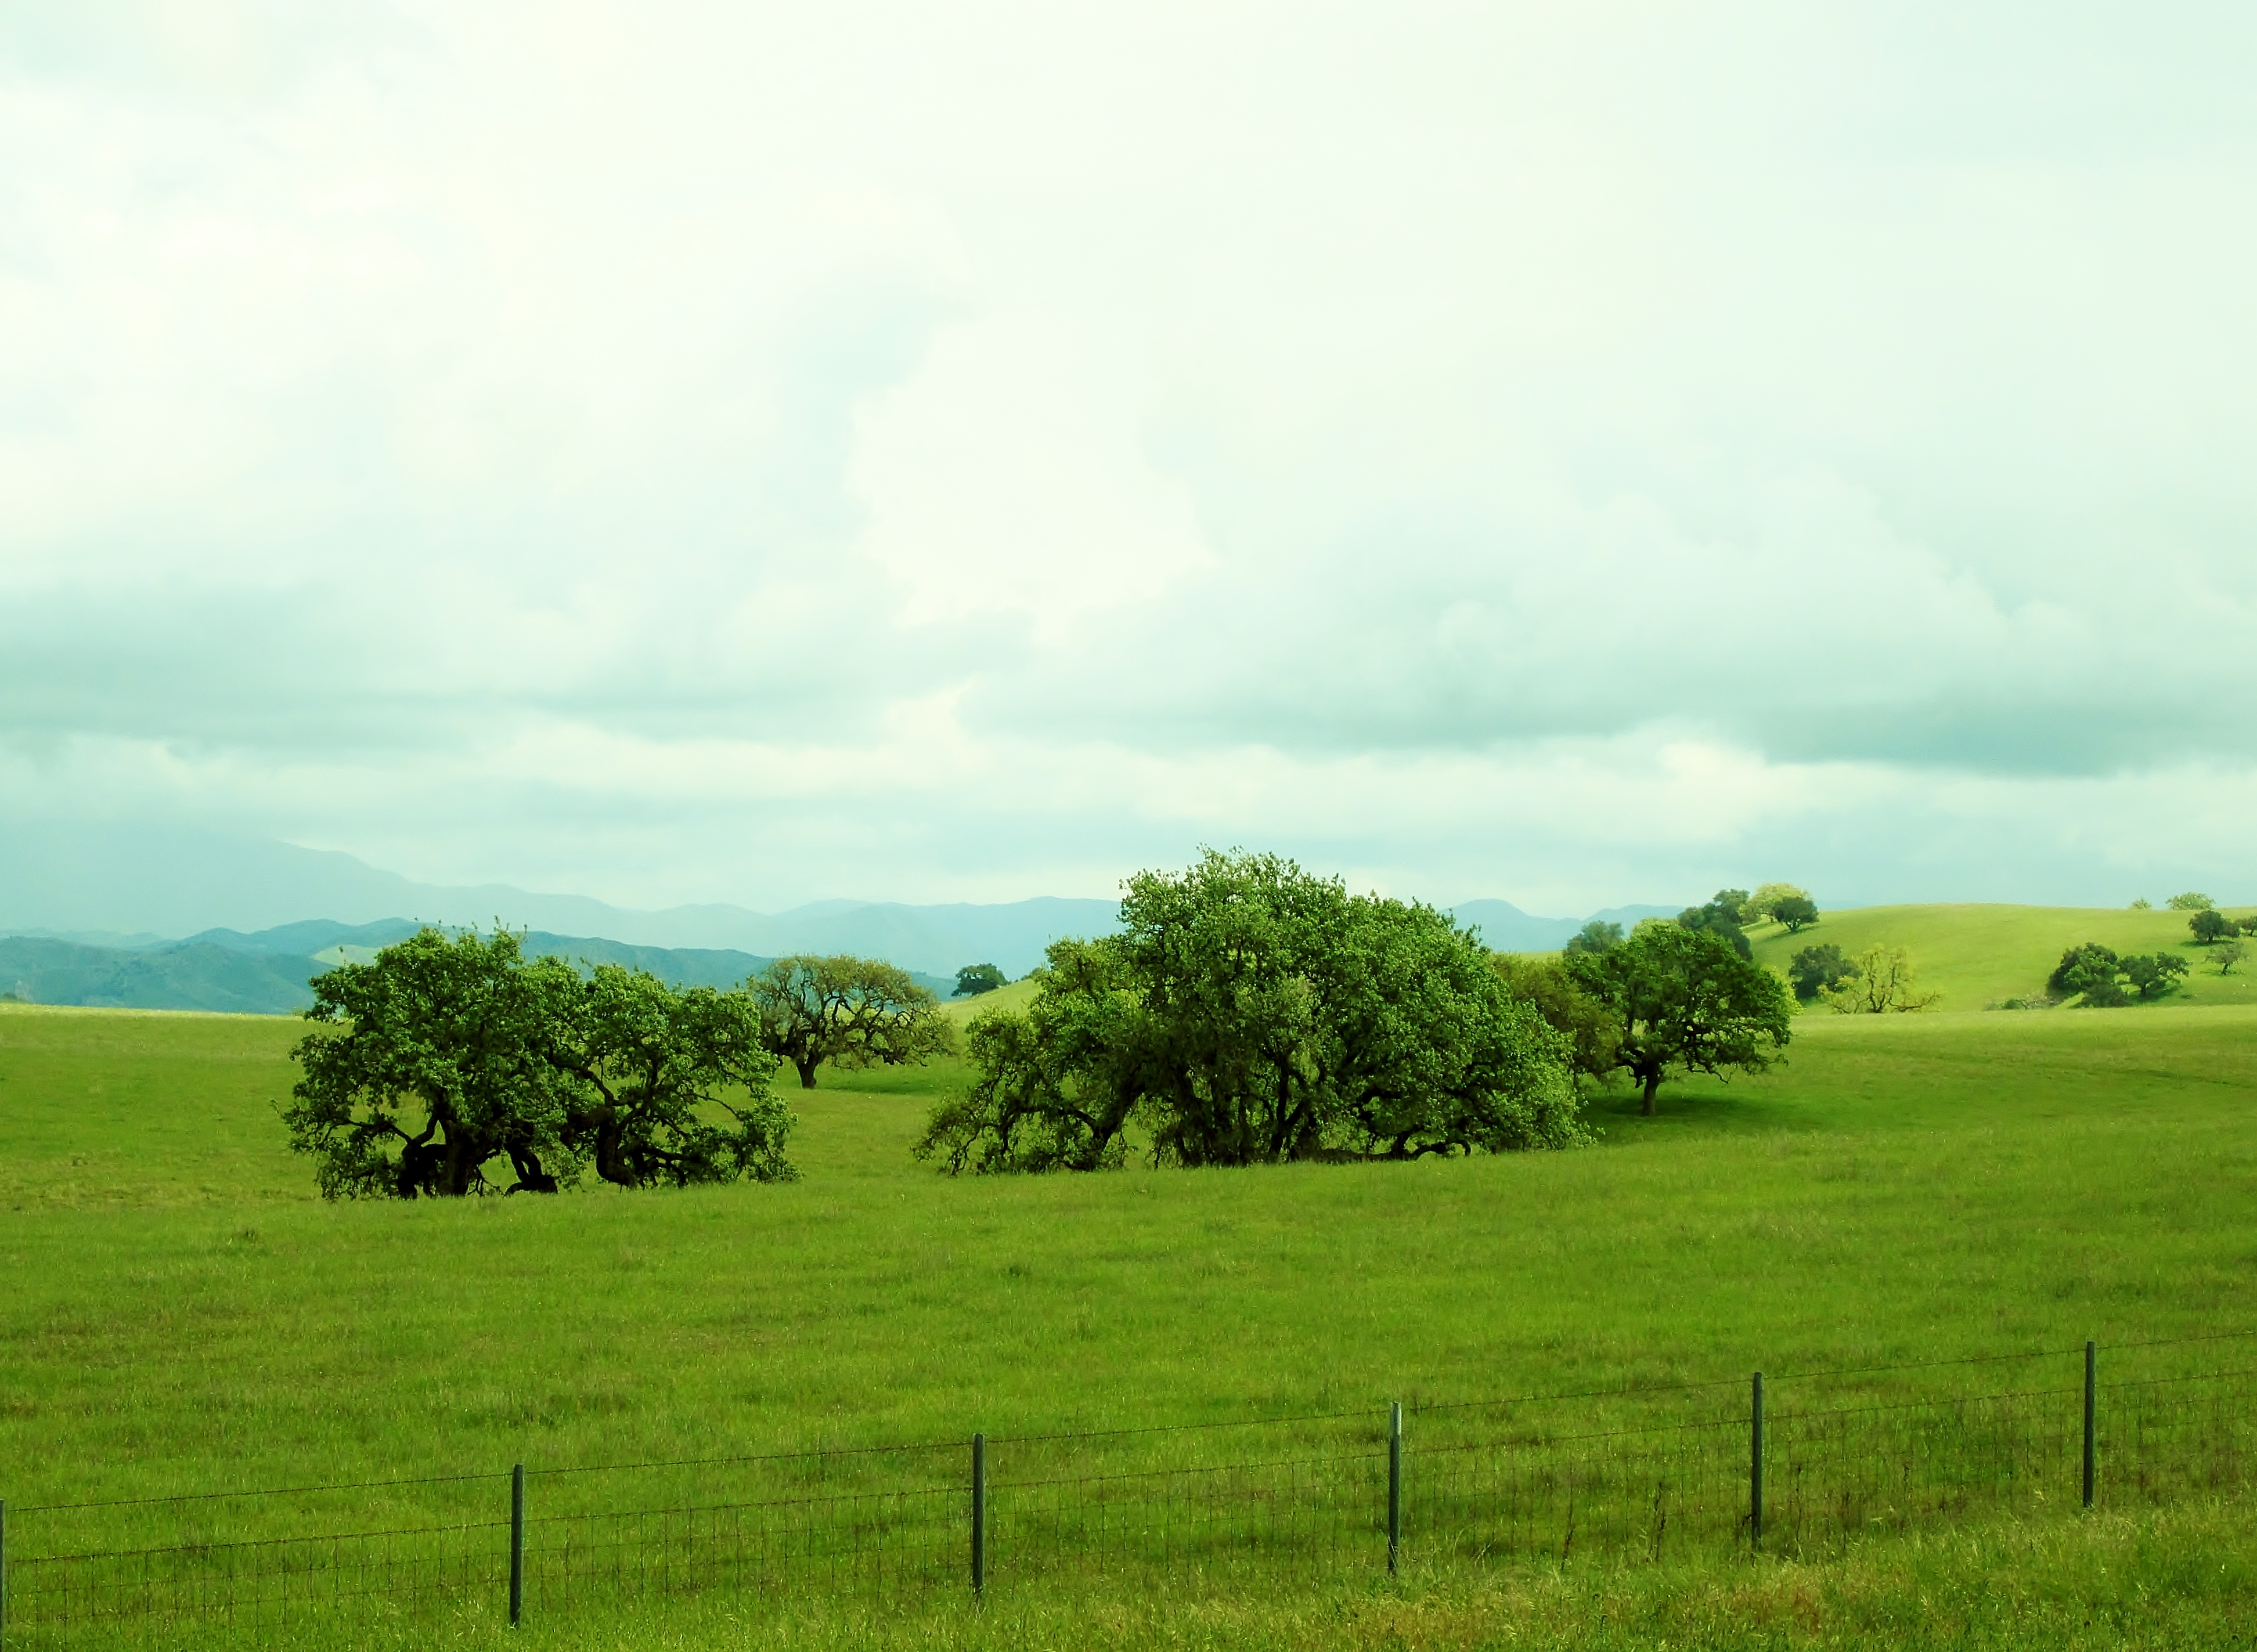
4, 1571
1394, 1485
979, 1513
1756, 1465
516, 1544
2089, 1397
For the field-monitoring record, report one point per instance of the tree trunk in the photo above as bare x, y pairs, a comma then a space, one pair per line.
806, 1071
1653, 1084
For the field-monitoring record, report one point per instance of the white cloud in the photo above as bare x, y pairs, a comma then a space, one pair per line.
696, 450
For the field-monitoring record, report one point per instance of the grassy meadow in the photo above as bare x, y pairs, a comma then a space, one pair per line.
182, 1313
1976, 956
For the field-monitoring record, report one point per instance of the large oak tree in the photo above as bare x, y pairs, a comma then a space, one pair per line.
445, 1054
1247, 1012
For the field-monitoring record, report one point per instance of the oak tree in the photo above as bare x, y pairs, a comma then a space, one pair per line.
1684, 1000
846, 1011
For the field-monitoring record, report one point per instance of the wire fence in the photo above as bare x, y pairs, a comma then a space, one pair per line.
1800, 1464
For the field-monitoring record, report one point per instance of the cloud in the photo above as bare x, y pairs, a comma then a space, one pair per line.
701, 451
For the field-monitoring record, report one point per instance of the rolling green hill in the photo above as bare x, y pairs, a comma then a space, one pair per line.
1978, 955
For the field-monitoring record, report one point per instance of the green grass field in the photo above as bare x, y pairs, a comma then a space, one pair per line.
183, 1314
1977, 956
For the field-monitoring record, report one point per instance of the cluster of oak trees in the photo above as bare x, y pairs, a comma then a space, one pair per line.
1246, 1011
451, 1056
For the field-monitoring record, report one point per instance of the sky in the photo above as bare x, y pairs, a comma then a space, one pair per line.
1568, 453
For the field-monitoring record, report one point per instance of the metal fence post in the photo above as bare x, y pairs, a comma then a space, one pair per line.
516, 1544
979, 1513
2089, 1397
1756, 1465
1394, 1485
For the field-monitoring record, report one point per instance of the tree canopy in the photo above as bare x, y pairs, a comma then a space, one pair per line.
1798, 913
1597, 935
1816, 968
2096, 976
1683, 999
444, 1055
1763, 905
975, 978
1247, 1012
847, 1011
2193, 900
2210, 926
1881, 981
1722, 917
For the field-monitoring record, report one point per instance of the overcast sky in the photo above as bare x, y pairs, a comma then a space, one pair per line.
1573, 453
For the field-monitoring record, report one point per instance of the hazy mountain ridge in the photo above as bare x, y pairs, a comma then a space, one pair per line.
256, 974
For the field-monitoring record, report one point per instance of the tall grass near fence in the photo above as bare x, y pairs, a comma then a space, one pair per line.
1801, 1465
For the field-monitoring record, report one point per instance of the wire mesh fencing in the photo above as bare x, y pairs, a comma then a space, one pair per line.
1797, 1464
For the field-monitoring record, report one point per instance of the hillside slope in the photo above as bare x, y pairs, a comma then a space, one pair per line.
1978, 955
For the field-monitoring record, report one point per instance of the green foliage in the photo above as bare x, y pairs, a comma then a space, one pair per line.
1815, 969
1247, 1012
2190, 901
2209, 925
975, 978
2227, 954
1586, 1023
1721, 917
2246, 923
1684, 1000
444, 1055
654, 1066
2153, 974
2083, 968
1597, 935
1881, 982
2140, 903
1798, 913
1763, 905
846, 1011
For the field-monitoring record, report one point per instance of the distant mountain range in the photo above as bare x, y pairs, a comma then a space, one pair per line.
169, 918
269, 972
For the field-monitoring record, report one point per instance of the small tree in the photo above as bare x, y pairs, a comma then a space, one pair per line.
1596, 936
975, 978
847, 1011
2190, 901
2154, 974
2089, 971
2246, 923
1763, 905
2140, 903
1798, 913
1882, 982
1814, 970
1684, 1000
2228, 954
2210, 926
